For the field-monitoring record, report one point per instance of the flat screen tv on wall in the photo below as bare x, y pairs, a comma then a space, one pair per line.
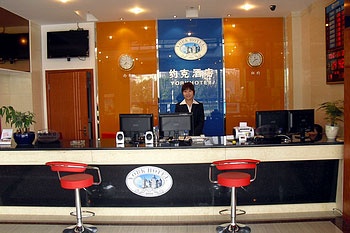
14, 47
68, 44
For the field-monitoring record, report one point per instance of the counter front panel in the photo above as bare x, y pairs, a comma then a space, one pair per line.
278, 182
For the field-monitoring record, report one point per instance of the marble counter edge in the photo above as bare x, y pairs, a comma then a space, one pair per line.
172, 156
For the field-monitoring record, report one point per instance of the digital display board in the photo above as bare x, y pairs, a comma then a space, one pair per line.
335, 24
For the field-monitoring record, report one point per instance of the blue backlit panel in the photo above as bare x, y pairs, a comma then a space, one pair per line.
192, 51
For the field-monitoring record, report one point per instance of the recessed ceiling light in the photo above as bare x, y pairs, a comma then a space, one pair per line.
136, 10
247, 7
79, 13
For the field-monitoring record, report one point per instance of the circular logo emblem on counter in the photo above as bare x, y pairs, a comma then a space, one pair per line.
191, 48
149, 181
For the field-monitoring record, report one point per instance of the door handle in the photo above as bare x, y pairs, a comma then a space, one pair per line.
84, 130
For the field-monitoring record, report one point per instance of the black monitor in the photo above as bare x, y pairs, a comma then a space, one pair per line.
67, 44
175, 124
271, 123
134, 126
301, 121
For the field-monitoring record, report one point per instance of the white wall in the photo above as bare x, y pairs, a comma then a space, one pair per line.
308, 87
16, 89
74, 63
62, 63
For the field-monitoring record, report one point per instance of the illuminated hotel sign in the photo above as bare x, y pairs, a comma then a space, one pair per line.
149, 181
191, 48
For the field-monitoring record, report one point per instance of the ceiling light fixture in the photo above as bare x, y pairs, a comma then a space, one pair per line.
136, 10
79, 13
247, 7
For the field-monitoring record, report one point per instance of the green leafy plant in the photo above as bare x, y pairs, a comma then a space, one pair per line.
334, 111
21, 120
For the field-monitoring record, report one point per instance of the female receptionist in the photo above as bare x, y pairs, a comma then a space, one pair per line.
189, 104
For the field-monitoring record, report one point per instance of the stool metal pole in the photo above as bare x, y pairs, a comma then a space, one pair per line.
78, 208
233, 207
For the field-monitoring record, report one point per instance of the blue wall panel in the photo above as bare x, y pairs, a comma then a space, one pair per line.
206, 73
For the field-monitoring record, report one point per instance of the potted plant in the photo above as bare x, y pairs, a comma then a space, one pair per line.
22, 122
334, 111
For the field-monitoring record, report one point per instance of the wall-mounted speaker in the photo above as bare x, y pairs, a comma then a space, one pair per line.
119, 139
149, 138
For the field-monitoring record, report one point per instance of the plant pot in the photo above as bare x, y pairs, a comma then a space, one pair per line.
24, 139
331, 132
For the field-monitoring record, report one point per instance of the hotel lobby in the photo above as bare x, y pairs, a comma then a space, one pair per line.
288, 193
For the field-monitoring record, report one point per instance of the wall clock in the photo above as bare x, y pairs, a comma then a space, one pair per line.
126, 62
255, 59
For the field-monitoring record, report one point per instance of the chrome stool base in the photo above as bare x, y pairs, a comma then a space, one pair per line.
233, 228
84, 229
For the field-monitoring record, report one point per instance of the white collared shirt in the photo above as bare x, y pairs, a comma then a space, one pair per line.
188, 106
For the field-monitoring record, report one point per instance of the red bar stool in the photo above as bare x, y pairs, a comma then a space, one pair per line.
234, 173
76, 179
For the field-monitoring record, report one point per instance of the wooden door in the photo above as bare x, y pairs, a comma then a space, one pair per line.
69, 103
346, 165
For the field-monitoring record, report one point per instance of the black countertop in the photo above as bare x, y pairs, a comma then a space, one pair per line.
108, 144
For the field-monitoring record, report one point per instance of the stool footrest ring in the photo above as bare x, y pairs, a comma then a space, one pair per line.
85, 214
228, 212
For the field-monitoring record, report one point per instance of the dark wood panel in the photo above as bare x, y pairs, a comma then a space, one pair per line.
346, 187
69, 103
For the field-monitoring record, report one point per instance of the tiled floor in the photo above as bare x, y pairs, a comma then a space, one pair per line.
290, 227
321, 222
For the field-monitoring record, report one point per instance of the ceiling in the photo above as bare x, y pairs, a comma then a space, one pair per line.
46, 12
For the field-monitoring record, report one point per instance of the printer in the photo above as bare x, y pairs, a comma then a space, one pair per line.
243, 132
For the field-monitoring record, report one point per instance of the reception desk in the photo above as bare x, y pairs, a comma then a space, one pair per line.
291, 178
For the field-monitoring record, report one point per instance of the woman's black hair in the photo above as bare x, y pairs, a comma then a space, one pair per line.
188, 85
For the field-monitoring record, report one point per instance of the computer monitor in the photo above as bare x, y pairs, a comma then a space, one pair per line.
271, 123
300, 122
175, 124
135, 126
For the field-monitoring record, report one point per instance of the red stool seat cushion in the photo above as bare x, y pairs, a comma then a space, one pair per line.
233, 179
75, 181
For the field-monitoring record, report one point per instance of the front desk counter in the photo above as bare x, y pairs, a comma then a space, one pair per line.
292, 177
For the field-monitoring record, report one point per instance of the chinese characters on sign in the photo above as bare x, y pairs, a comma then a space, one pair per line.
335, 22
197, 76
